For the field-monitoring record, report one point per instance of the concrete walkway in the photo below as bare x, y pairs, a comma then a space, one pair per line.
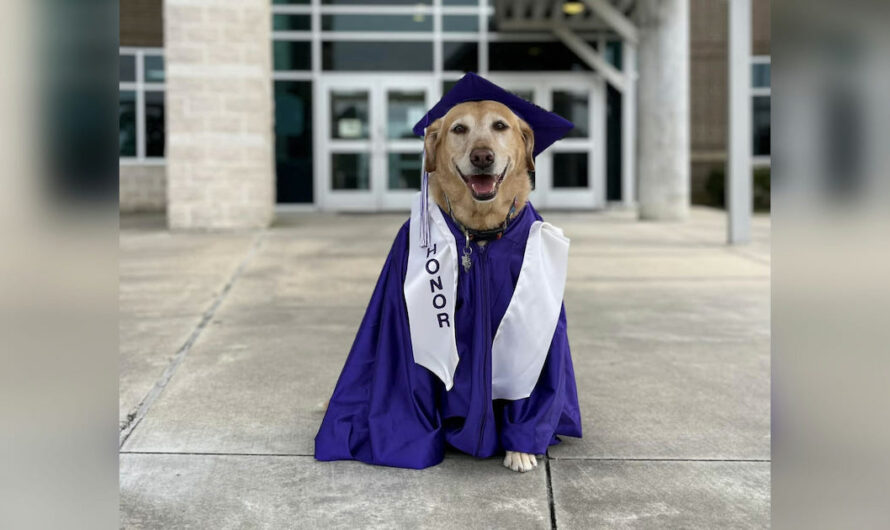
230, 344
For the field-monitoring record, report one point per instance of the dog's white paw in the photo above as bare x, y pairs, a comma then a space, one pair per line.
521, 462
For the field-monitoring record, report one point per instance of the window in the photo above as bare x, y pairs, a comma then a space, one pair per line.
375, 56
760, 108
141, 116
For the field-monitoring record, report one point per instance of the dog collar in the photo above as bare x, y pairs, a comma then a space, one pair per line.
483, 235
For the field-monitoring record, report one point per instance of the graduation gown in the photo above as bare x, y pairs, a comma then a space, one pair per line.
388, 410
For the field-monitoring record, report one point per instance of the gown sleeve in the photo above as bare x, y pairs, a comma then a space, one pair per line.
383, 409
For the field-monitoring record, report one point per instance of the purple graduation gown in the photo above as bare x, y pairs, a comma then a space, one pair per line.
387, 410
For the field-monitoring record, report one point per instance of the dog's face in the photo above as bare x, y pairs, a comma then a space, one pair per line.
480, 154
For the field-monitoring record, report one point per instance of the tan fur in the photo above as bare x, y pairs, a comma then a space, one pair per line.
445, 149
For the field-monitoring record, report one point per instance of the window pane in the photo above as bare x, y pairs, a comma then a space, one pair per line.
291, 1
573, 107
127, 67
154, 68
419, 22
526, 94
154, 123
378, 2
377, 56
613, 53
570, 170
127, 124
291, 22
447, 85
349, 171
462, 56
760, 75
404, 171
404, 109
349, 115
761, 125
292, 55
293, 141
551, 56
460, 23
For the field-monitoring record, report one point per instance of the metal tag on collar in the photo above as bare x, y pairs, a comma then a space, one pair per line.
468, 250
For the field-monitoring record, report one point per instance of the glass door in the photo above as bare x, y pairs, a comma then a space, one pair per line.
370, 160
404, 104
571, 173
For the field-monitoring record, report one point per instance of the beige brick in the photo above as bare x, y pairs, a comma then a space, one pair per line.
220, 143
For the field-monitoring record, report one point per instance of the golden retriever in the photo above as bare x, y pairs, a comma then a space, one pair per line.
479, 155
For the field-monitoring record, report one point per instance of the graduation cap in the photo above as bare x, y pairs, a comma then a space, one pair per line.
547, 126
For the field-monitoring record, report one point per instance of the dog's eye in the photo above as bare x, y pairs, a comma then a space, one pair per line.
458, 129
499, 126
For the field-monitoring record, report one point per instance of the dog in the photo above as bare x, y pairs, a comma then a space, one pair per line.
479, 156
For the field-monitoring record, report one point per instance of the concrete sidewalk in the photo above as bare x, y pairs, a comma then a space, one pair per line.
230, 344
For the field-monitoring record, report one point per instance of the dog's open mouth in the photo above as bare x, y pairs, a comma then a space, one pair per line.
483, 186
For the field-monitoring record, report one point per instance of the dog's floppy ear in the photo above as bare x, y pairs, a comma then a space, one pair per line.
528, 136
431, 144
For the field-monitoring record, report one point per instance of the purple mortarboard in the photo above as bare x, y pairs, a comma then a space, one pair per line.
547, 126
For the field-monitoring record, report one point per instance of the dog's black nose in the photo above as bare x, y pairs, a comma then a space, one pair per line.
482, 158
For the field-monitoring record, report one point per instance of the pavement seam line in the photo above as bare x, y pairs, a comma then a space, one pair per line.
547, 459
551, 504
134, 418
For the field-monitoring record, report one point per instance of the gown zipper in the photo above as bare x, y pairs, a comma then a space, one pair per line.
486, 323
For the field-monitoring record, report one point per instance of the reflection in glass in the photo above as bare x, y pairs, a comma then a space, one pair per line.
419, 22
570, 170
154, 123
460, 56
525, 56
292, 55
293, 141
291, 22
378, 2
393, 56
573, 107
350, 171
760, 75
127, 123
468, 23
404, 109
349, 115
526, 94
127, 67
154, 68
404, 171
760, 125
613, 53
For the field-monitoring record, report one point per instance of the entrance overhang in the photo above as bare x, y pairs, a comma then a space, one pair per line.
610, 17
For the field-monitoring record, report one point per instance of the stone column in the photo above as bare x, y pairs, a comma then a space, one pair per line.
663, 109
220, 144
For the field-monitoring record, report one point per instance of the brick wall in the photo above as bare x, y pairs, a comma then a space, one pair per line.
220, 142
142, 23
143, 188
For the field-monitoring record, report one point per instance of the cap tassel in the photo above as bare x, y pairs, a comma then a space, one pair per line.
424, 203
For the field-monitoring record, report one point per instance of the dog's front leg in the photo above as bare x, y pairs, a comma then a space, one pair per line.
521, 462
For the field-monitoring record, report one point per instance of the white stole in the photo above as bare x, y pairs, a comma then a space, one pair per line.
523, 337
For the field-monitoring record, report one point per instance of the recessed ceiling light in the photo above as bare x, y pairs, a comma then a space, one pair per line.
572, 8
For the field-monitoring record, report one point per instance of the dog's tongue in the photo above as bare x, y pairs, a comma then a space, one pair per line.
482, 184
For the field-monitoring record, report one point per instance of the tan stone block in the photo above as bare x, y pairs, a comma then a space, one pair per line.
205, 34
